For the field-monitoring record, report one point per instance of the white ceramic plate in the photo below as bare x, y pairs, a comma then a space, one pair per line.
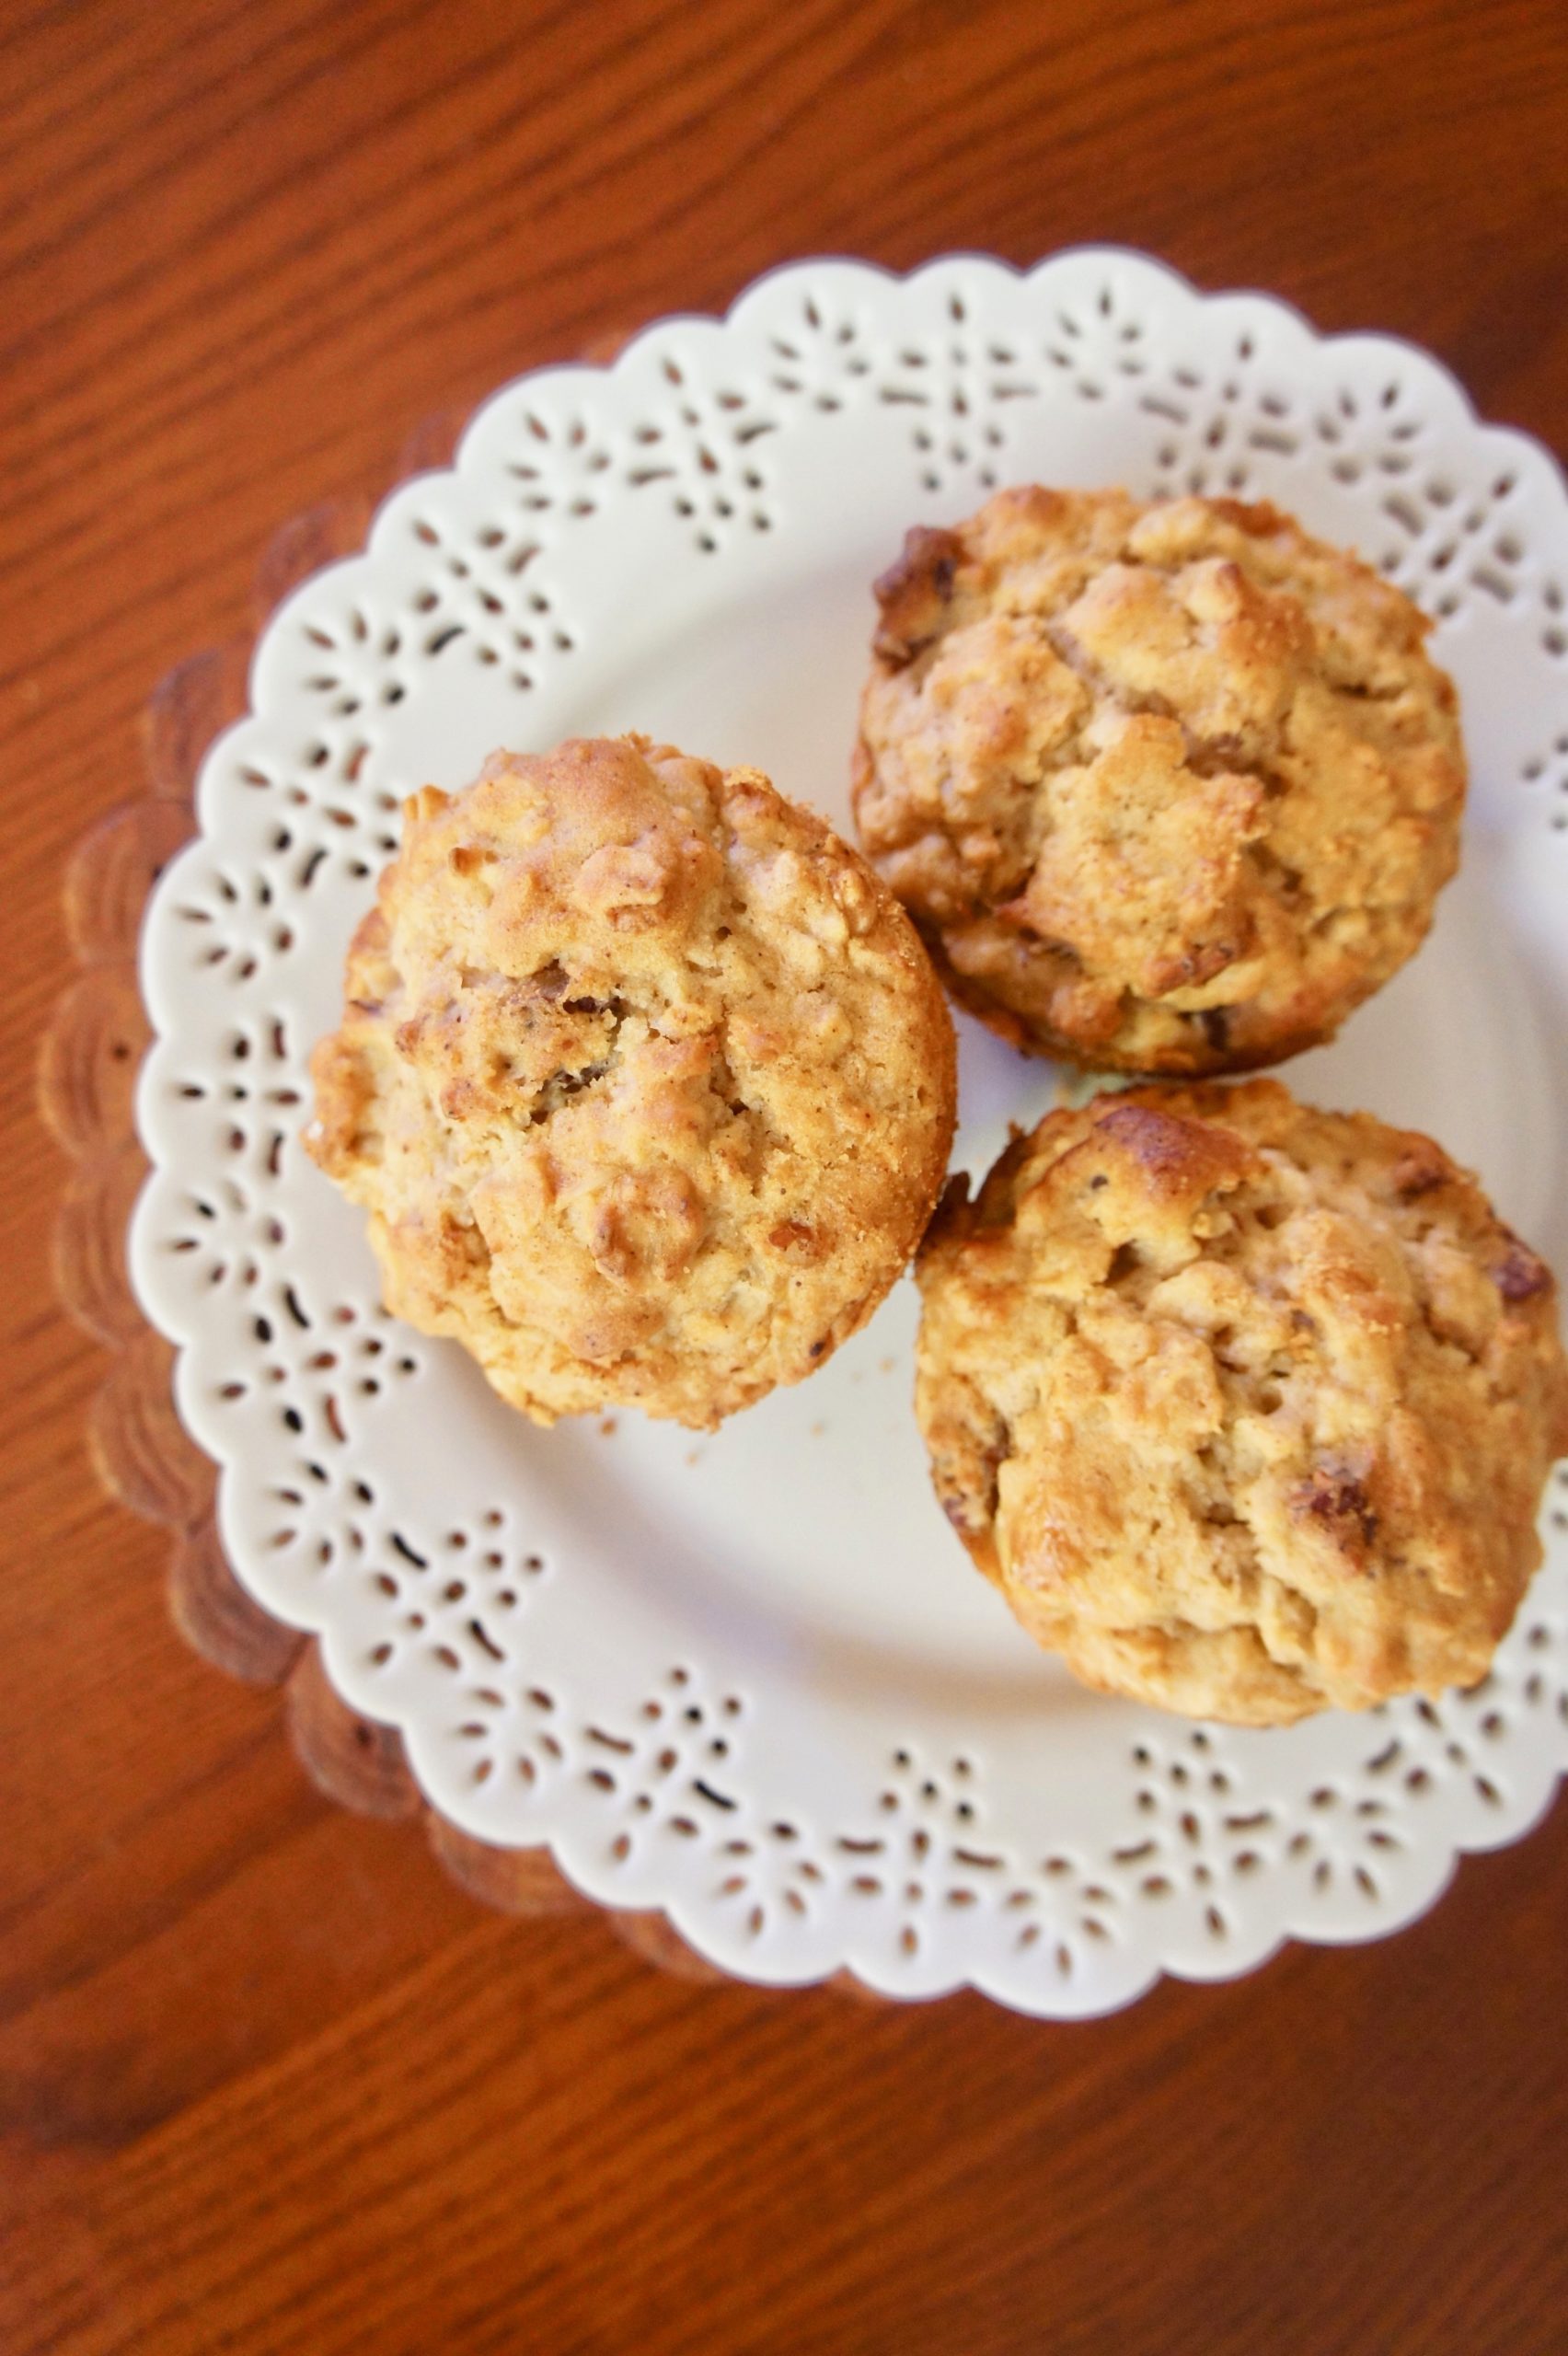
753, 1680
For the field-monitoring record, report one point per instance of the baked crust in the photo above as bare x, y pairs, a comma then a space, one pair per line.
1167, 788
643, 1077
1245, 1407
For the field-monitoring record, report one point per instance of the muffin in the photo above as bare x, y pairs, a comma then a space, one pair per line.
1167, 788
643, 1077
1245, 1407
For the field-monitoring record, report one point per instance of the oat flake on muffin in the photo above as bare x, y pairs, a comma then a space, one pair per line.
1167, 788
643, 1077
1247, 1408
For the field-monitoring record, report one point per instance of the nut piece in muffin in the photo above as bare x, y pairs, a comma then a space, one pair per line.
643, 1077
1167, 788
1245, 1407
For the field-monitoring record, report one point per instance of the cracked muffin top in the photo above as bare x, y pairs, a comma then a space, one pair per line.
1167, 788
643, 1077
1246, 1408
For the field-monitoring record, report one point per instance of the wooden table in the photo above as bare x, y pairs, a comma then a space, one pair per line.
269, 2081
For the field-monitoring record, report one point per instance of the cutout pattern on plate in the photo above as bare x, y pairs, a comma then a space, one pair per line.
372, 1493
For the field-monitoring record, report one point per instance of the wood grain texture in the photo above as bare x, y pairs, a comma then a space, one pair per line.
269, 2080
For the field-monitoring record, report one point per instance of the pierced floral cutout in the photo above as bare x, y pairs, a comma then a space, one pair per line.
750, 1680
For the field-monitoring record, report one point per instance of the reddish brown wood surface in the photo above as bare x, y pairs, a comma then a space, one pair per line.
270, 2080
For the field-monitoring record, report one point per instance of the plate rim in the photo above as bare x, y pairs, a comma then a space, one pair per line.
676, 1909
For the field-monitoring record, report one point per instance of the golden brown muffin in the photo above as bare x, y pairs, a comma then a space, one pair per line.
1167, 789
1246, 1408
643, 1077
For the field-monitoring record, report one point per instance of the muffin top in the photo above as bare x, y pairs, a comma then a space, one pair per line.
1246, 1408
1167, 788
643, 1076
